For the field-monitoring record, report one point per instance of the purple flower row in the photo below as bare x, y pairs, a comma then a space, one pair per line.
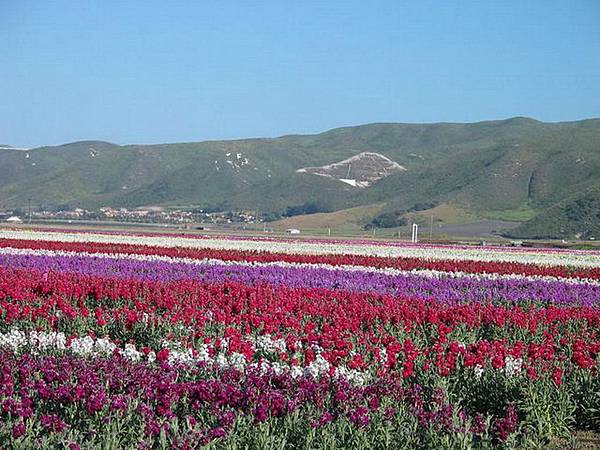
446, 288
82, 397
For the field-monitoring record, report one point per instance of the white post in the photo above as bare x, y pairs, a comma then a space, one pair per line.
415, 233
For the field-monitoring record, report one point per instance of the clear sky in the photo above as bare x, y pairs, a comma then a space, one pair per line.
170, 71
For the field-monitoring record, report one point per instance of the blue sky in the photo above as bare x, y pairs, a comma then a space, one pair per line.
171, 71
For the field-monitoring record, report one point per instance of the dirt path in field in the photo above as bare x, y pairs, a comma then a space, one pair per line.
481, 228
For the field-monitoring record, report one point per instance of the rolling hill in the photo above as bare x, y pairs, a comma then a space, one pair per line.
517, 168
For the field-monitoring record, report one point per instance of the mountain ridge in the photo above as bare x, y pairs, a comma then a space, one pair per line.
487, 167
294, 135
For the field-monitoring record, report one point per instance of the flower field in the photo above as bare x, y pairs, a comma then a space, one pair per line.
154, 341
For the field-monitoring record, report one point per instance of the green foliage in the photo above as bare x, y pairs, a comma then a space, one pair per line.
305, 208
578, 216
421, 206
386, 220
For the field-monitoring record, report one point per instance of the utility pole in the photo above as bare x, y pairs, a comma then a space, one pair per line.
431, 228
29, 202
257, 212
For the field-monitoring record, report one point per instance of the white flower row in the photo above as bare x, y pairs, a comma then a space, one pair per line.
580, 259
348, 268
38, 342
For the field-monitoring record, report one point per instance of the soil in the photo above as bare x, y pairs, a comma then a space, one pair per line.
481, 228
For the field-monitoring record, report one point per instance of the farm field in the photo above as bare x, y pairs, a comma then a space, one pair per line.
147, 340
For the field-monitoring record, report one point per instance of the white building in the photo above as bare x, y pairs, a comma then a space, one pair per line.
14, 219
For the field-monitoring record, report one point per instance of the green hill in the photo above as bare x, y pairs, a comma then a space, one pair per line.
577, 216
516, 168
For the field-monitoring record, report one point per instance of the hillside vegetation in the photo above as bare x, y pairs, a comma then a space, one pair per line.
520, 168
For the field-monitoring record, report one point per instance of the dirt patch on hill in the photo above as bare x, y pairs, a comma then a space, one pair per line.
359, 171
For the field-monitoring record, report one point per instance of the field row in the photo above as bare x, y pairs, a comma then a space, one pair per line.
302, 247
138, 340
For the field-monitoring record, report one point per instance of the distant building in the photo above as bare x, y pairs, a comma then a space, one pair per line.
14, 219
292, 231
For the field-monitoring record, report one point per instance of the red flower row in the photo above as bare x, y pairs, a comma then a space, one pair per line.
406, 263
351, 328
